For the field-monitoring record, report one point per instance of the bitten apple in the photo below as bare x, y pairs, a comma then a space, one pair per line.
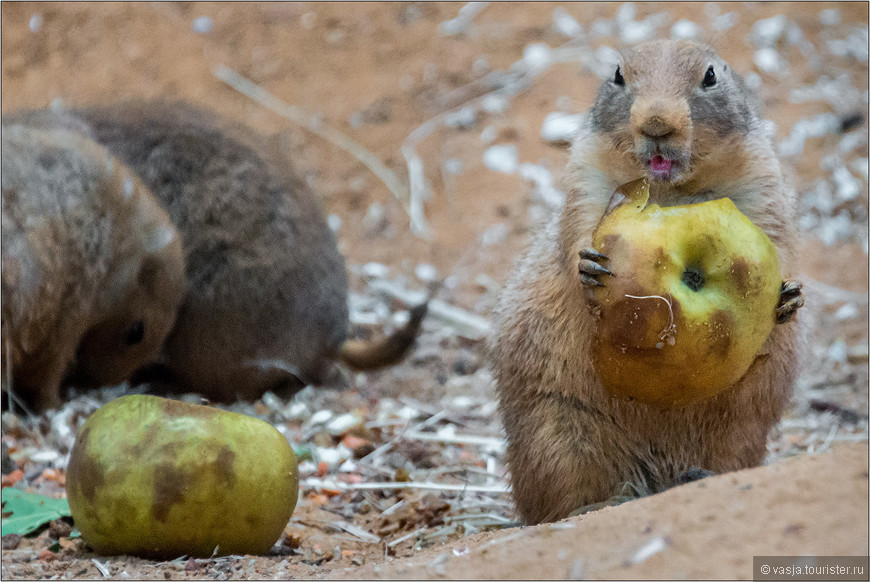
691, 300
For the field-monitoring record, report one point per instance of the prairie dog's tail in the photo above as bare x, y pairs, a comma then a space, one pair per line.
370, 355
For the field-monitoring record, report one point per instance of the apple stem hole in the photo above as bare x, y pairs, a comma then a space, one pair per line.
667, 334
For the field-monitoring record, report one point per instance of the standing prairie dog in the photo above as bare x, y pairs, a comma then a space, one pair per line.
266, 304
92, 273
675, 113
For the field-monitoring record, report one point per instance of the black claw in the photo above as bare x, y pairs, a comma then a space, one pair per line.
791, 287
785, 311
590, 268
590, 281
790, 300
592, 255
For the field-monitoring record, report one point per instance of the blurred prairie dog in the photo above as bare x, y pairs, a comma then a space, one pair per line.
674, 112
266, 305
92, 272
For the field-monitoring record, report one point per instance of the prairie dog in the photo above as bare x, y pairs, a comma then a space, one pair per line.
674, 112
266, 305
92, 273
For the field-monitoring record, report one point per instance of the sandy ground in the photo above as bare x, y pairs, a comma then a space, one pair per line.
416, 75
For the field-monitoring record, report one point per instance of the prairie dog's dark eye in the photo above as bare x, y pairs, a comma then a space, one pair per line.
135, 334
618, 78
709, 78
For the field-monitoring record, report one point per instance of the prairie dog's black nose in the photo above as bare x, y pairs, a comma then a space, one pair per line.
656, 127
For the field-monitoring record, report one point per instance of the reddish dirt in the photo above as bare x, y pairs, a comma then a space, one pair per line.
378, 71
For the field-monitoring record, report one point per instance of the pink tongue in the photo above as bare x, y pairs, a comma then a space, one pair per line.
660, 164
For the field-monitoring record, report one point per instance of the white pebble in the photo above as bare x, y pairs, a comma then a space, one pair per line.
830, 17
375, 270
495, 103
766, 32
635, 32
35, 23
426, 272
566, 24
308, 20
44, 456
501, 158
453, 166
848, 186
494, 234
463, 118
847, 311
724, 21
685, 29
626, 13
332, 456
202, 25
768, 61
488, 134
603, 27
480, 66
862, 167
334, 222
320, 417
838, 351
341, 423
649, 549
559, 126
536, 55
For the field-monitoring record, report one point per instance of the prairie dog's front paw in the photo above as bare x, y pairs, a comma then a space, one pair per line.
592, 273
790, 300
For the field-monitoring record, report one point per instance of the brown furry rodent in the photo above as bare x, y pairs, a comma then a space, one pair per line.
675, 113
92, 273
266, 305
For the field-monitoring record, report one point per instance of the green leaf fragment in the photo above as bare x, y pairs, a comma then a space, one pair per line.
28, 511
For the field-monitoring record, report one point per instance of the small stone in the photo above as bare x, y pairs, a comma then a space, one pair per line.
35, 23
767, 31
635, 32
565, 24
838, 351
334, 222
830, 17
685, 29
768, 61
426, 273
463, 119
847, 311
495, 103
724, 21
536, 55
501, 158
560, 127
202, 25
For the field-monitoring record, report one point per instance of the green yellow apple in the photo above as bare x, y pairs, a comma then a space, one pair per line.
691, 300
160, 478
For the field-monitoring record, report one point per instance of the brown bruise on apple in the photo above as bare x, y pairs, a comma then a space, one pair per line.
681, 320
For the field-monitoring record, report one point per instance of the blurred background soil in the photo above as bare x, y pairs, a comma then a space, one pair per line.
468, 89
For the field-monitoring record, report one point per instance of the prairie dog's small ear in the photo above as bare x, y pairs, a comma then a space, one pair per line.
159, 237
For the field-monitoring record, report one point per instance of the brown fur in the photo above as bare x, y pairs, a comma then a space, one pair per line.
570, 443
88, 256
266, 307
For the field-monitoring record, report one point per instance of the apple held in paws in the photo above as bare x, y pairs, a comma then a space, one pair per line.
691, 301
